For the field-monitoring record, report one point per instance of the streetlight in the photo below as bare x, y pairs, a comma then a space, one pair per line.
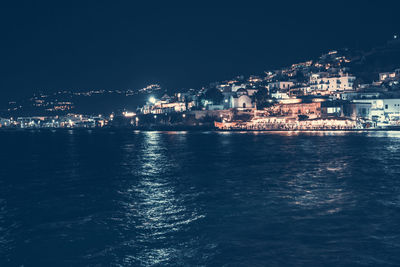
152, 99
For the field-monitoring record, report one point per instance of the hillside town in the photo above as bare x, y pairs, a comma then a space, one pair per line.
321, 94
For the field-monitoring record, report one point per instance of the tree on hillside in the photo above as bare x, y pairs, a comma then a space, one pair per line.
357, 83
213, 95
262, 99
300, 77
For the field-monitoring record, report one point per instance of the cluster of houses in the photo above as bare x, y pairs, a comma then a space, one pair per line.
67, 121
305, 94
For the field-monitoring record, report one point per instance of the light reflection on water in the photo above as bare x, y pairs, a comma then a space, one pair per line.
152, 207
294, 133
311, 190
5, 238
390, 134
199, 198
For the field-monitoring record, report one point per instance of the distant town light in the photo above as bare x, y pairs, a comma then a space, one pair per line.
128, 114
152, 99
290, 101
183, 115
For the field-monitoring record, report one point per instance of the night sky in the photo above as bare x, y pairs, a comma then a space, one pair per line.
52, 45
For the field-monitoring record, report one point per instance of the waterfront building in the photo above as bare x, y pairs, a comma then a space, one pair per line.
5, 122
290, 123
332, 109
311, 110
358, 111
383, 109
30, 122
163, 105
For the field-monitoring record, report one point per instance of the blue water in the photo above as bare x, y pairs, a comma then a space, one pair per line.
123, 198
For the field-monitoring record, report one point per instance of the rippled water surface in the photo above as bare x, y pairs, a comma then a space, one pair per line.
123, 198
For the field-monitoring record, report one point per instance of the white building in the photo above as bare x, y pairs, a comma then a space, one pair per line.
280, 95
343, 82
163, 106
280, 85
383, 109
360, 110
241, 100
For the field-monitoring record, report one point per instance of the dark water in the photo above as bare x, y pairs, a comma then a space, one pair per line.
104, 198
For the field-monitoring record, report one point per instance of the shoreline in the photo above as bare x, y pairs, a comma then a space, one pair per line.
196, 129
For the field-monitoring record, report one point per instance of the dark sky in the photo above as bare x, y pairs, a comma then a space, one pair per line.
51, 45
